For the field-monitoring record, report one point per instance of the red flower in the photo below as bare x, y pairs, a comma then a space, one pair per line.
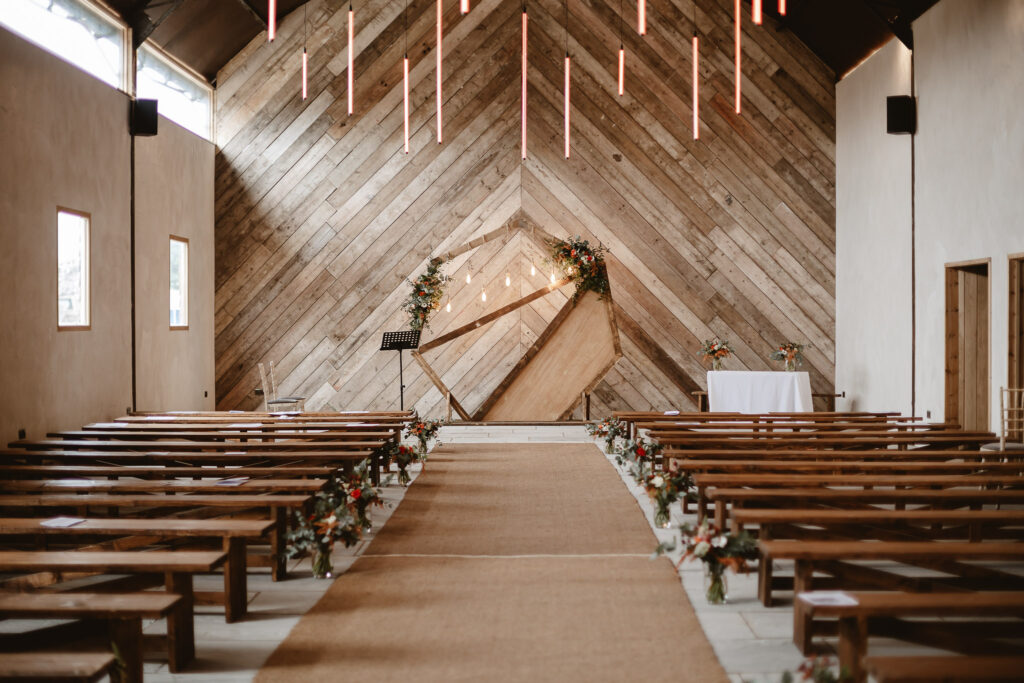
356, 494
640, 451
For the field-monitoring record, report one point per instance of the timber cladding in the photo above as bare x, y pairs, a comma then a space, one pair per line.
321, 218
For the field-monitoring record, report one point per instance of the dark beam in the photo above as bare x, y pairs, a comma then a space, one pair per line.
247, 4
899, 26
140, 22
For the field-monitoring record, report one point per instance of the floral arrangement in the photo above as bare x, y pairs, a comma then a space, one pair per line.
819, 670
665, 489
790, 352
717, 550
716, 351
583, 264
609, 429
638, 456
423, 431
339, 513
426, 294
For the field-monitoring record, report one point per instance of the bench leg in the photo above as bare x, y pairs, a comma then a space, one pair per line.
802, 627
764, 572
235, 585
278, 559
181, 642
852, 646
126, 636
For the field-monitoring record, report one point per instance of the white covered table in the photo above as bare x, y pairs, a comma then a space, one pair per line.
731, 391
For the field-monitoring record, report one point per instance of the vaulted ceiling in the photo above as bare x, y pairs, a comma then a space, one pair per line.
206, 34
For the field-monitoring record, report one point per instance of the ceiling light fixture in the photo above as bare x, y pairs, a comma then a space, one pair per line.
522, 123
351, 58
271, 20
782, 7
439, 42
305, 60
405, 78
568, 67
641, 17
622, 56
738, 53
755, 11
696, 77
464, 6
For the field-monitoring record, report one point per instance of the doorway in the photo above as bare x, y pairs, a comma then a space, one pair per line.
967, 344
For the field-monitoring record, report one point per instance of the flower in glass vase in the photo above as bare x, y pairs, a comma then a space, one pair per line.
609, 429
638, 455
715, 350
665, 489
792, 353
717, 550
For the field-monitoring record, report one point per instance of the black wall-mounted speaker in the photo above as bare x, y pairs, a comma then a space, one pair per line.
900, 115
144, 117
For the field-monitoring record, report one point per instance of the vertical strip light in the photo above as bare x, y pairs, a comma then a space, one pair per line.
696, 77
755, 11
738, 72
271, 20
305, 59
351, 58
641, 17
439, 41
622, 56
405, 78
464, 6
523, 96
568, 67
782, 7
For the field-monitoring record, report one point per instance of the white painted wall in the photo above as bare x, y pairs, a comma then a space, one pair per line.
873, 302
969, 195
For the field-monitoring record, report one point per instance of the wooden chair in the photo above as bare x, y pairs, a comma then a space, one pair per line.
273, 402
1011, 417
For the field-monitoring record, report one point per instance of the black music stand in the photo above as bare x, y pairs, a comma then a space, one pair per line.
397, 341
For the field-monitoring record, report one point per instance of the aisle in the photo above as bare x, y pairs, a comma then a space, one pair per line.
505, 562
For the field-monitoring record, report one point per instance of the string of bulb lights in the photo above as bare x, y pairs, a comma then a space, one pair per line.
757, 17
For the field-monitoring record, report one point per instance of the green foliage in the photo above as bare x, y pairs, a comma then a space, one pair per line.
610, 429
583, 264
426, 294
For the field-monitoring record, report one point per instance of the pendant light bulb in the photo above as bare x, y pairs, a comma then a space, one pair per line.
483, 294
448, 306
533, 270
508, 279
469, 277
271, 20
552, 277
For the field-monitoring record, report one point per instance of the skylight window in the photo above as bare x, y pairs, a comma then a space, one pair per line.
181, 97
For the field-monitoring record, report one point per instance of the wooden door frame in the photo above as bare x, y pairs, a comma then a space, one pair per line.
1015, 322
952, 355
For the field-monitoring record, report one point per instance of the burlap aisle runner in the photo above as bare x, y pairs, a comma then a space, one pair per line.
505, 562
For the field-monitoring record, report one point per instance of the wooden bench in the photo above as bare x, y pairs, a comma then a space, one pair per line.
886, 614
162, 472
826, 455
120, 613
177, 567
166, 486
945, 669
55, 667
233, 532
834, 558
843, 466
276, 505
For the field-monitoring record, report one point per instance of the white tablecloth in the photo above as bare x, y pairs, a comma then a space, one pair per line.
731, 391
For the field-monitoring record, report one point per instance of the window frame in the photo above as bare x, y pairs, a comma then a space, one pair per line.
183, 70
185, 308
88, 269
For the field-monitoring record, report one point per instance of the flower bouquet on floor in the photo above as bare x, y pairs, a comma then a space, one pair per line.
718, 550
423, 431
609, 429
819, 670
715, 350
637, 455
790, 352
339, 513
665, 489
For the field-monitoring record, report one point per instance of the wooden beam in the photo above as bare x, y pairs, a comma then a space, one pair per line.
436, 379
512, 225
490, 317
657, 355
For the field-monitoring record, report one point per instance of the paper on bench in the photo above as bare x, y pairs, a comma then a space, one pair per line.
671, 412
61, 522
233, 481
245, 425
828, 599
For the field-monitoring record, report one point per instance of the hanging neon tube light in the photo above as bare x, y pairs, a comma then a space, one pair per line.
439, 41
271, 20
738, 53
522, 124
782, 7
464, 6
696, 87
405, 91
641, 17
351, 58
622, 70
305, 69
755, 12
568, 66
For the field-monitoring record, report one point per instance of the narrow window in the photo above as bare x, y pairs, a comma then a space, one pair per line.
72, 270
179, 283
182, 97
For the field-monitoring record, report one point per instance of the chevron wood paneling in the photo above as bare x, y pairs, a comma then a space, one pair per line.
321, 218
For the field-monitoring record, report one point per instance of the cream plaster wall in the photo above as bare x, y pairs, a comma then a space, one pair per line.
174, 195
64, 143
873, 302
969, 149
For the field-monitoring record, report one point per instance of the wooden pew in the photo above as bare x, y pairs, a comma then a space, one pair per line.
209, 444
234, 533
162, 472
882, 467
887, 614
946, 669
833, 557
277, 507
828, 440
176, 566
120, 615
55, 667
166, 486
827, 455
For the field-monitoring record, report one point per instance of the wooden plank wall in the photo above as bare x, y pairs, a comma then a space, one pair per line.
321, 218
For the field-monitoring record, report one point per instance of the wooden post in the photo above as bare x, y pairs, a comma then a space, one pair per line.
448, 404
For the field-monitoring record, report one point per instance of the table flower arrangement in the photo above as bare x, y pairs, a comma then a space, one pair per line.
583, 264
665, 489
425, 298
609, 429
715, 350
790, 352
718, 550
339, 513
